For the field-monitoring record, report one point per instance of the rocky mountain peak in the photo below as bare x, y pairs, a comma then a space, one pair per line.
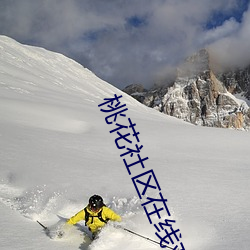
196, 64
200, 96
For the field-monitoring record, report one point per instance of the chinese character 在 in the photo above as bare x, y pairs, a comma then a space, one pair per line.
156, 210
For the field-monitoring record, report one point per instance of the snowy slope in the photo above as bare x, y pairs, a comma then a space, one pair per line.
56, 151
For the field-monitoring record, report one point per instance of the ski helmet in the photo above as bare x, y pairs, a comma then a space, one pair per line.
95, 202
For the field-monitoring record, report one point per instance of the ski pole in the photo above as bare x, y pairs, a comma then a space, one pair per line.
45, 228
143, 237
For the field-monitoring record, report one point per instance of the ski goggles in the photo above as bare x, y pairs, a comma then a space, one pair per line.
94, 208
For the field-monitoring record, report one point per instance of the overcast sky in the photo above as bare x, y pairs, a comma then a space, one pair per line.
131, 41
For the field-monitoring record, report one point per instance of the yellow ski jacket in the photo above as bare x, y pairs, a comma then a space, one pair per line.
94, 223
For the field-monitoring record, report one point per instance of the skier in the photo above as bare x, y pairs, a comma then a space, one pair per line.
95, 214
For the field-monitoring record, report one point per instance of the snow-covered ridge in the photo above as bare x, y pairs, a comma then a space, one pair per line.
35, 67
33, 73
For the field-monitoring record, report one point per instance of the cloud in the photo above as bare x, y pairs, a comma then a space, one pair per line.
121, 41
233, 49
228, 28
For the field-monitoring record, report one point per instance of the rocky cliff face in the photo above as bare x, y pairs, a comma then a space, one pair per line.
200, 96
237, 81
